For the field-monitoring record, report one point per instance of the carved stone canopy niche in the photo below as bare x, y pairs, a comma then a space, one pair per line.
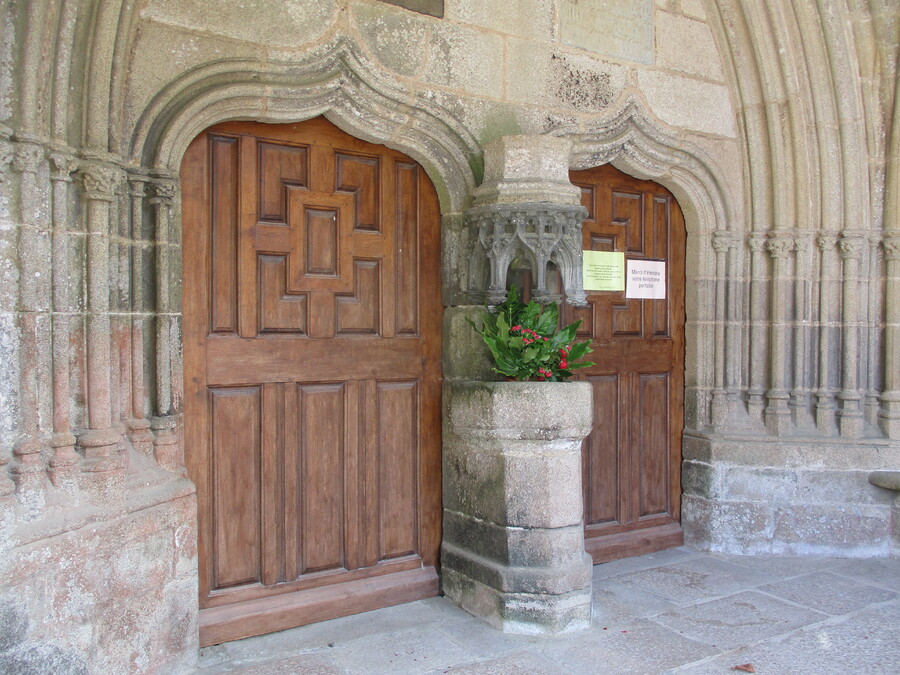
526, 211
537, 233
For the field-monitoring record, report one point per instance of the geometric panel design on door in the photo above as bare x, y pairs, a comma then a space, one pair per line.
312, 320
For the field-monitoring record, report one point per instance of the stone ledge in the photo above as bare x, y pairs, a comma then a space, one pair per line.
548, 580
889, 480
516, 546
171, 489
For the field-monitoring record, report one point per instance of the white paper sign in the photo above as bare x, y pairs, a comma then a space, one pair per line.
645, 279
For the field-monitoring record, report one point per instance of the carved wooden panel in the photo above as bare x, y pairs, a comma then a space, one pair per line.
600, 459
281, 167
279, 312
360, 177
627, 212
632, 457
360, 312
320, 514
321, 245
652, 443
397, 450
406, 253
224, 233
312, 352
237, 554
627, 318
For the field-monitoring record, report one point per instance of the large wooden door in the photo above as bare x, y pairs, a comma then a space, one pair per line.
632, 459
312, 374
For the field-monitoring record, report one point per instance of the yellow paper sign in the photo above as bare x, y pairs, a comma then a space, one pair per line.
603, 270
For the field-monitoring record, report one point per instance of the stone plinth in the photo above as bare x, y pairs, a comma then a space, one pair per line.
890, 480
513, 550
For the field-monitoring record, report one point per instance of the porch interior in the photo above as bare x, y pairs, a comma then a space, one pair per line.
672, 611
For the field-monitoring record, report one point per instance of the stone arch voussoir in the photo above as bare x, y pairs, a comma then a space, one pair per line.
337, 82
632, 141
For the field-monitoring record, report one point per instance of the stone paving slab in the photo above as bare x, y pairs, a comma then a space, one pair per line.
520, 662
829, 593
676, 611
644, 562
739, 620
879, 572
644, 647
413, 651
782, 567
616, 605
695, 580
867, 642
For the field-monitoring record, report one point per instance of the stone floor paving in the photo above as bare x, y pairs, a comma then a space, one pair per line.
676, 611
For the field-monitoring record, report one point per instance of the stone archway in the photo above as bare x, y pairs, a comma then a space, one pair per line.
633, 142
337, 82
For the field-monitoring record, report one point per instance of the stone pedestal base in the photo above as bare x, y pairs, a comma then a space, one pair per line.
513, 550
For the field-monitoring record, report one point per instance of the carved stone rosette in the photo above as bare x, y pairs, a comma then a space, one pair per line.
540, 233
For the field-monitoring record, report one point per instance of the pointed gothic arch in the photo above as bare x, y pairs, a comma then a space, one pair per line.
336, 81
633, 141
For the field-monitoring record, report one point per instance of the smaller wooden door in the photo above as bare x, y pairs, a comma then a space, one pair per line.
632, 459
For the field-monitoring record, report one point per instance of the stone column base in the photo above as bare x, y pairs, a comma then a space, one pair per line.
513, 549
507, 606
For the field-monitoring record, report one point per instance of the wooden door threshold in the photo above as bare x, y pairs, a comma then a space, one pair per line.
274, 613
636, 542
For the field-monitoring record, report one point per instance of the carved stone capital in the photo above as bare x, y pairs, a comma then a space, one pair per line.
28, 157
63, 166
722, 241
802, 241
540, 233
780, 245
164, 190
891, 247
100, 182
827, 241
757, 243
852, 247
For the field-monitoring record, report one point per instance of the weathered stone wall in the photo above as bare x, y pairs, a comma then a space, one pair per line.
773, 123
112, 594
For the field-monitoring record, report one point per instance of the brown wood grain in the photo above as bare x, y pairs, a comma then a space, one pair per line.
312, 371
632, 459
